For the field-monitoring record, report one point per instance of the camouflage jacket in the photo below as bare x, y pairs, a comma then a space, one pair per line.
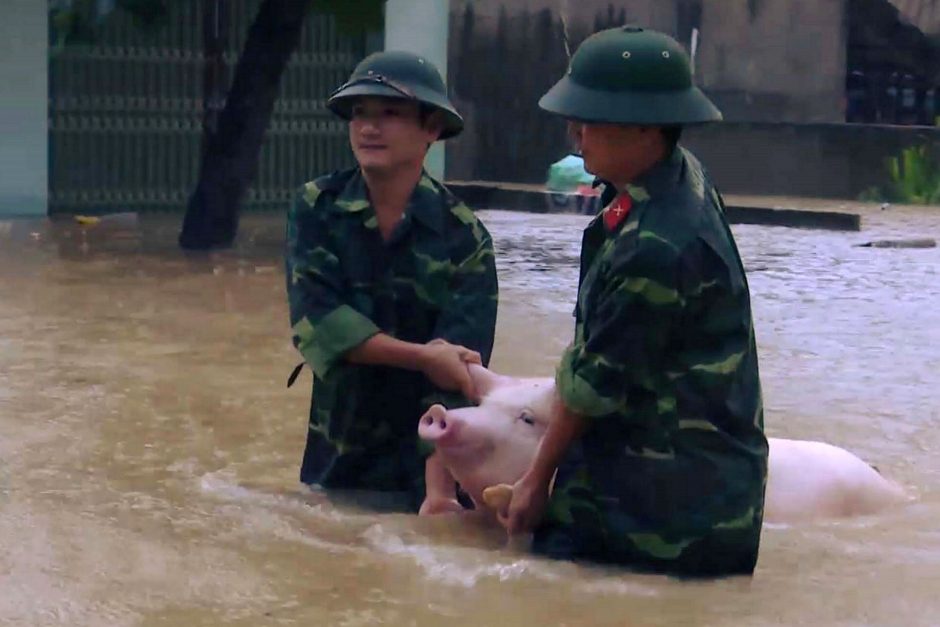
434, 278
670, 473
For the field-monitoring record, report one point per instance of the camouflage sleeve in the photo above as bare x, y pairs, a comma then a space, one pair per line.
626, 332
324, 325
469, 317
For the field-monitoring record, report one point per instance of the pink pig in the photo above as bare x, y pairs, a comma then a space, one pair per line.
494, 443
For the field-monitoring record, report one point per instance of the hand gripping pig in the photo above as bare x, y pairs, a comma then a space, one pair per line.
489, 447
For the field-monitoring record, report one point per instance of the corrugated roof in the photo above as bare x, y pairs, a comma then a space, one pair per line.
924, 14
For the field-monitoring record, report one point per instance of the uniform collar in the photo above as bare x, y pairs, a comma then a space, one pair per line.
659, 179
424, 204
655, 182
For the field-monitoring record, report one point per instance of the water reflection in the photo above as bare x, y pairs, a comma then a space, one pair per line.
150, 448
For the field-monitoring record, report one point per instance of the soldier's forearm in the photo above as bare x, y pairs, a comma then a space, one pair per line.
384, 350
565, 427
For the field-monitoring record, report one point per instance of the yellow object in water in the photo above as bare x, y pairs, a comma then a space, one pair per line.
498, 496
87, 220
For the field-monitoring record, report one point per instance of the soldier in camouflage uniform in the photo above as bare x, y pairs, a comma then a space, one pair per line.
392, 288
657, 436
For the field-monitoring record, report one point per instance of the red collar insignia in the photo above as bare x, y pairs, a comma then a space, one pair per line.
617, 211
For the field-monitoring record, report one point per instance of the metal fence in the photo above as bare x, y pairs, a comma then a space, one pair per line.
125, 114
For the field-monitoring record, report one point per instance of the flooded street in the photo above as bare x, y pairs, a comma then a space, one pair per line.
149, 448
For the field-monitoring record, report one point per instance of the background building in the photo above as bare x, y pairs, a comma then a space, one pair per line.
816, 94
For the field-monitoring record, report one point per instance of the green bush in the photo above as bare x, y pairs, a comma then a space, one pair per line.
915, 178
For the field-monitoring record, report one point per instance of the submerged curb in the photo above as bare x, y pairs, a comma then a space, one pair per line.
520, 198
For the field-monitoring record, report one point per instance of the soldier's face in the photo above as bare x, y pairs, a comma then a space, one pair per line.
614, 152
388, 133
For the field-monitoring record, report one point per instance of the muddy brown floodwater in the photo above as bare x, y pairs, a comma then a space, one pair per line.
149, 448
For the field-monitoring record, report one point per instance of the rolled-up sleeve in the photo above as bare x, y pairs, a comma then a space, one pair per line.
629, 321
324, 325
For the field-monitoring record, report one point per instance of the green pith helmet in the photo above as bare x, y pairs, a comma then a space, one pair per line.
630, 75
396, 74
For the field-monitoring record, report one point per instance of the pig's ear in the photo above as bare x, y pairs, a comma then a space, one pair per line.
484, 381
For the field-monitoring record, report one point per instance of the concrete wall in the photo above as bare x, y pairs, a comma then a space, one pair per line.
760, 60
774, 60
24, 51
776, 68
504, 54
658, 14
820, 160
421, 26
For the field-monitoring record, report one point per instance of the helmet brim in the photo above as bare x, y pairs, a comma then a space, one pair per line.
654, 108
342, 101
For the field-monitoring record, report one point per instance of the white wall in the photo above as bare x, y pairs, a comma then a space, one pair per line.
420, 26
24, 55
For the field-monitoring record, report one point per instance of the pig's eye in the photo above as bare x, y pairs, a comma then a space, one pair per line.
527, 418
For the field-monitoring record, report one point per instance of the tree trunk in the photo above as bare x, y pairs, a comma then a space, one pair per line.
230, 159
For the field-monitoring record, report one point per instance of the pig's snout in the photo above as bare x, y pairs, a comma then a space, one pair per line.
436, 426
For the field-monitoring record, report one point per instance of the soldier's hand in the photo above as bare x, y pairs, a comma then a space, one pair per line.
527, 506
445, 364
468, 355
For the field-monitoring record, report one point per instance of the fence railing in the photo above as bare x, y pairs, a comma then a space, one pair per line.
125, 114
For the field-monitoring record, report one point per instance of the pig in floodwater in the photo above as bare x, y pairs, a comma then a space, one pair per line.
495, 442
